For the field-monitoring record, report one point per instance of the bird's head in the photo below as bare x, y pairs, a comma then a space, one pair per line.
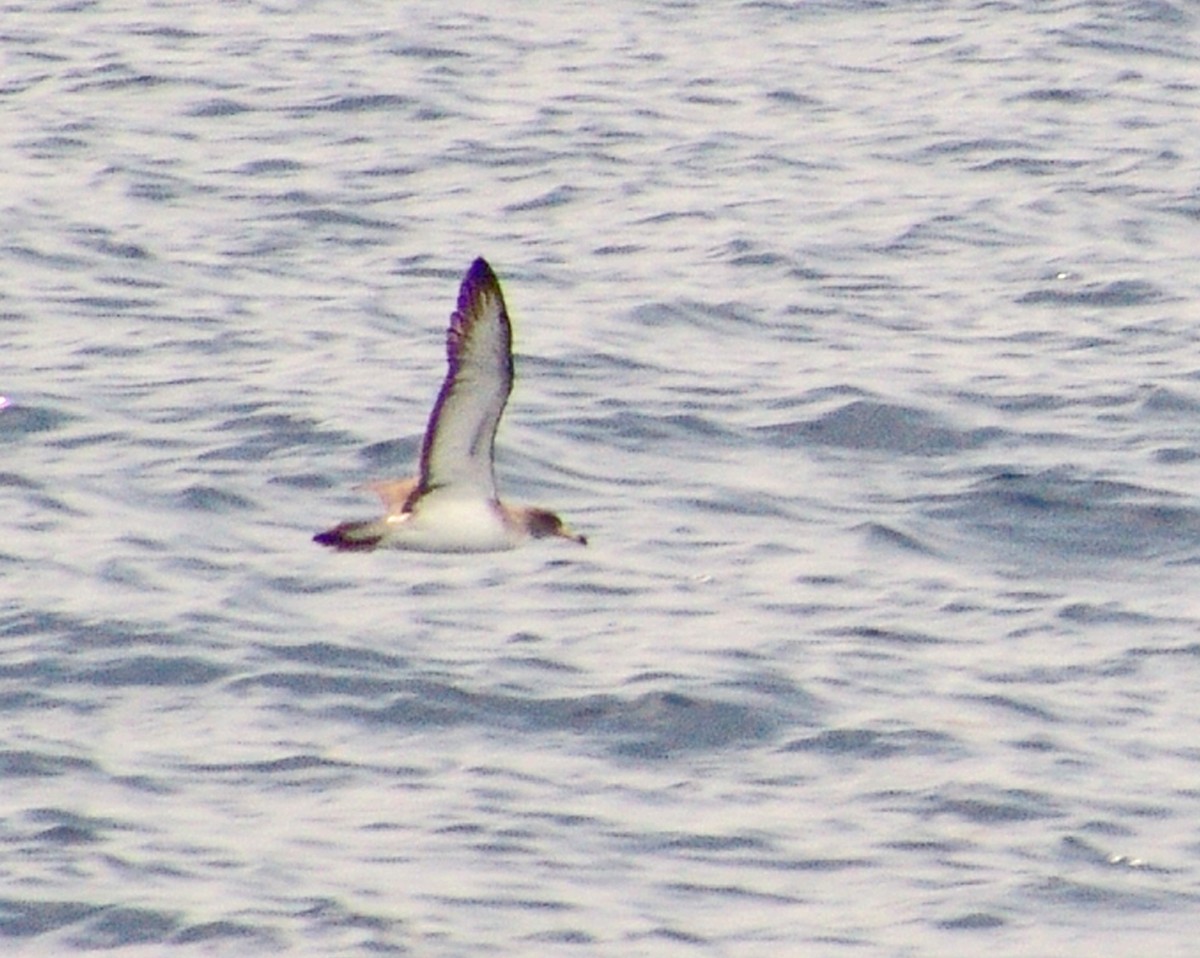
543, 524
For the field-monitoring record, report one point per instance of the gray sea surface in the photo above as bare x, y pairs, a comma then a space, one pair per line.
860, 338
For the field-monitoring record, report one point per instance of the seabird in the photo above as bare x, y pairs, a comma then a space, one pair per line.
452, 505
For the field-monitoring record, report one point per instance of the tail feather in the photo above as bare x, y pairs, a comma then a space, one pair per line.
353, 536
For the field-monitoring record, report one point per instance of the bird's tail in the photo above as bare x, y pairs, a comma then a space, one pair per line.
362, 536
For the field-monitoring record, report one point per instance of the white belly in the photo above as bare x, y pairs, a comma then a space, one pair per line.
442, 524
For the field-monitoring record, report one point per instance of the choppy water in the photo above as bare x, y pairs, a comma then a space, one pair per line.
862, 341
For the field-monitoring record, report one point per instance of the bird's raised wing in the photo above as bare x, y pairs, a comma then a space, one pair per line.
456, 455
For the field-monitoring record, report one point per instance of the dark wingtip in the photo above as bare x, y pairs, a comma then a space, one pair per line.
479, 275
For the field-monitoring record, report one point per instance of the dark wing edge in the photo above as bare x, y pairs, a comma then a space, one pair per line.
479, 282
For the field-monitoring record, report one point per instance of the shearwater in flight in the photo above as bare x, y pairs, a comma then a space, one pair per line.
452, 505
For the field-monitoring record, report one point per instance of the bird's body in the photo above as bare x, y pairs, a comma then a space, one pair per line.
452, 505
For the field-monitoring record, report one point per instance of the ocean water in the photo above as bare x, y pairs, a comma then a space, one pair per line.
861, 339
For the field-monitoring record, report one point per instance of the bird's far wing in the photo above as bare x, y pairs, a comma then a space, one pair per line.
393, 493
